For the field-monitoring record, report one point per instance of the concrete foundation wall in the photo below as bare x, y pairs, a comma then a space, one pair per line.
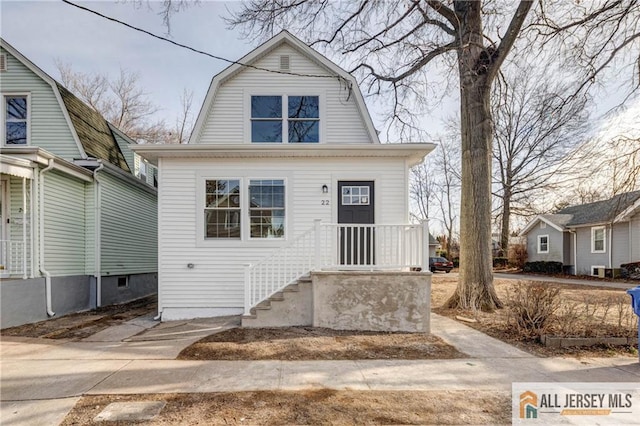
379, 301
24, 301
138, 285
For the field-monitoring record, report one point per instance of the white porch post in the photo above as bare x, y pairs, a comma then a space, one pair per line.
425, 244
247, 288
317, 264
24, 228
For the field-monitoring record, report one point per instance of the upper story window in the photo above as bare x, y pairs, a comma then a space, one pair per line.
598, 235
302, 123
16, 120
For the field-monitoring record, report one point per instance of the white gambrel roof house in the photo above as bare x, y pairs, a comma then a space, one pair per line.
284, 174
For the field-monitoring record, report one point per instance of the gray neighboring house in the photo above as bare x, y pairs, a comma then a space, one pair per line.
78, 208
588, 237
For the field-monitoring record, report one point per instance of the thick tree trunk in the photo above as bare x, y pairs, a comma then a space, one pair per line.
475, 285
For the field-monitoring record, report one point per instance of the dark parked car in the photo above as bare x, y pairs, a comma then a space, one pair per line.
440, 264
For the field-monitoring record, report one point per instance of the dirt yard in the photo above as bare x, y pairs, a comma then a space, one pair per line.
308, 343
84, 324
324, 406
584, 311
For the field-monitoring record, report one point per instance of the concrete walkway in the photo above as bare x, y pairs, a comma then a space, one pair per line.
42, 379
591, 283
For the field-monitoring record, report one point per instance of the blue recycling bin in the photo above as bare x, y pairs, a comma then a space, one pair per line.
635, 303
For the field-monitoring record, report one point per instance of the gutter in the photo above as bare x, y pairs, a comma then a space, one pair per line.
98, 237
47, 275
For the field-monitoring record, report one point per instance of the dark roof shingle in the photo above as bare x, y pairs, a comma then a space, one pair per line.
598, 212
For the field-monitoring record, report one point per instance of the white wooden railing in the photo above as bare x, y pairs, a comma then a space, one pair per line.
12, 260
337, 247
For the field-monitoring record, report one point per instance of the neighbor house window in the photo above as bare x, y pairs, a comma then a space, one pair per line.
16, 120
266, 208
285, 119
543, 244
598, 235
222, 208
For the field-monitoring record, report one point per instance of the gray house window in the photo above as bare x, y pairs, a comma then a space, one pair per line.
543, 244
598, 235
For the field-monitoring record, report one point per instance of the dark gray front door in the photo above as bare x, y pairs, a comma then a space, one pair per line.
356, 206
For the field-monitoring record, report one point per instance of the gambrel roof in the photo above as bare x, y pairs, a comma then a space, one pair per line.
90, 130
284, 37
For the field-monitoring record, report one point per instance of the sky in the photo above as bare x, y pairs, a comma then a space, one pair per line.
46, 31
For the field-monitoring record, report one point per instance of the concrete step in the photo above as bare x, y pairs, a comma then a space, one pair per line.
290, 306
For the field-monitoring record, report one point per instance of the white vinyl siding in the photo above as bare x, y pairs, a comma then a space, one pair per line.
64, 225
128, 228
634, 235
227, 121
555, 251
216, 280
48, 126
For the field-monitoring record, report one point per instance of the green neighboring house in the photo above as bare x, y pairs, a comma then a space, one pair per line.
78, 207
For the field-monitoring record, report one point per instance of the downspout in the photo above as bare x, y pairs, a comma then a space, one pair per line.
43, 271
24, 228
98, 239
575, 251
611, 247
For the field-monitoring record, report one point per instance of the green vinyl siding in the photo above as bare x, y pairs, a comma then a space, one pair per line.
124, 146
64, 224
90, 228
49, 127
16, 217
129, 235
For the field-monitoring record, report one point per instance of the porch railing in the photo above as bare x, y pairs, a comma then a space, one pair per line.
338, 247
11, 258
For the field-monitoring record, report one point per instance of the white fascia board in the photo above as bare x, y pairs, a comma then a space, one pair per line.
54, 86
118, 173
413, 152
628, 212
535, 220
41, 156
264, 49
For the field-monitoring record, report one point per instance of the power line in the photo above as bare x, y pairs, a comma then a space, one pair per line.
201, 52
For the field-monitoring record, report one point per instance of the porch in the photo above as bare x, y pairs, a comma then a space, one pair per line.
344, 276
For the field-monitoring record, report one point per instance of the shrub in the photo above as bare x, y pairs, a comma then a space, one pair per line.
543, 267
456, 262
533, 306
500, 262
517, 255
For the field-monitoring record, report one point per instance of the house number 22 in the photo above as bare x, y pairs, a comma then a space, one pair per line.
324, 202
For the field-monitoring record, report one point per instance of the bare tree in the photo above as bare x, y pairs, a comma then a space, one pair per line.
422, 189
537, 123
123, 102
448, 187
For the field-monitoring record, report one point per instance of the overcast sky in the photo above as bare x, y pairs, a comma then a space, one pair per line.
48, 30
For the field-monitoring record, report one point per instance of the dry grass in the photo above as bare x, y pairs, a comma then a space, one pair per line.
326, 406
308, 343
583, 311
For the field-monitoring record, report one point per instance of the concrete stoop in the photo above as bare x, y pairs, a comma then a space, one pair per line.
293, 306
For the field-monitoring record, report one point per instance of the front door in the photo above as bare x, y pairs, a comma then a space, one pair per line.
356, 206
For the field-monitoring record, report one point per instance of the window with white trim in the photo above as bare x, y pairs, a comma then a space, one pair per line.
543, 244
222, 209
257, 205
598, 237
266, 208
302, 123
16, 120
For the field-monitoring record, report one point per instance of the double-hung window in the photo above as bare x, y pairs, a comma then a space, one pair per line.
222, 209
598, 235
543, 244
266, 208
15, 120
244, 209
285, 119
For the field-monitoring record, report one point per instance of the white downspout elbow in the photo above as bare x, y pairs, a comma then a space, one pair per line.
43, 271
98, 238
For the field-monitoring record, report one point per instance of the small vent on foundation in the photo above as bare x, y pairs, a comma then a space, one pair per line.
3, 62
284, 63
